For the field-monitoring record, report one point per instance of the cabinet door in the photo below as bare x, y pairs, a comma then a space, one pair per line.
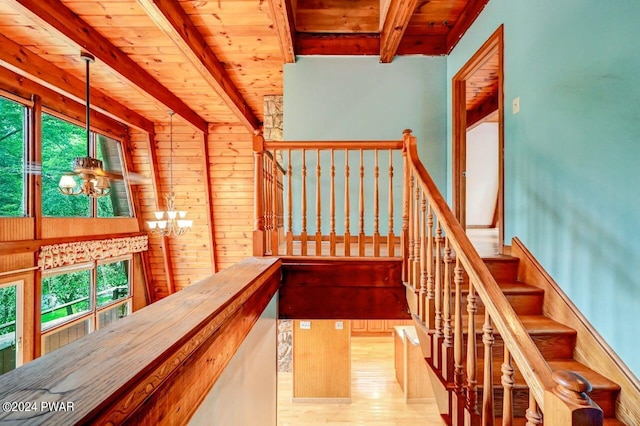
358, 326
389, 324
375, 326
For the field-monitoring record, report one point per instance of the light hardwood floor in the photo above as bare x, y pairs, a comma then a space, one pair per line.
376, 396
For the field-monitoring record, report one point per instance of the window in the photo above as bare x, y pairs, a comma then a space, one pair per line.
12, 158
77, 300
61, 143
116, 204
10, 326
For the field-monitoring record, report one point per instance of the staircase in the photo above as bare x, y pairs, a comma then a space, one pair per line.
528, 337
554, 340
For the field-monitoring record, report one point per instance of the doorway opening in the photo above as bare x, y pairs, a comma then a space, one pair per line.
478, 144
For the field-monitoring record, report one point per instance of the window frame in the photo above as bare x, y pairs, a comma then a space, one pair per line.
94, 311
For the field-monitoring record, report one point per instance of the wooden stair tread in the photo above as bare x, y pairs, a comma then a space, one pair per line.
534, 324
512, 287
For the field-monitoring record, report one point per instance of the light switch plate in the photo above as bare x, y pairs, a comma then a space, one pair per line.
339, 325
305, 325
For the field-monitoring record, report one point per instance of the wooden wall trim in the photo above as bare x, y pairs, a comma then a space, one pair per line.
189, 336
209, 200
591, 349
32, 246
54, 14
166, 255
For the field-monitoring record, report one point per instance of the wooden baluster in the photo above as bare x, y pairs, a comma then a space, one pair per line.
269, 202
258, 206
265, 203
487, 383
423, 258
458, 400
507, 386
376, 205
303, 233
438, 335
274, 202
318, 207
533, 415
411, 216
280, 206
332, 207
404, 238
447, 368
391, 251
347, 219
289, 206
417, 238
472, 355
361, 236
429, 305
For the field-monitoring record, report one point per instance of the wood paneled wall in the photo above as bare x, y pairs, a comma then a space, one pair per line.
231, 174
322, 360
208, 247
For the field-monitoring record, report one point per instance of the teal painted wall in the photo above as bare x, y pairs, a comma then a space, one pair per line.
357, 98
572, 154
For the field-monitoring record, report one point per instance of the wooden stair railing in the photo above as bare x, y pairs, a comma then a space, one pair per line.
155, 366
327, 176
440, 263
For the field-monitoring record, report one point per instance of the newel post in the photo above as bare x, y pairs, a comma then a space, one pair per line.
568, 403
404, 240
258, 190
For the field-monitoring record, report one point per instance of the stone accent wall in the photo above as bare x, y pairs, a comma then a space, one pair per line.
272, 131
273, 118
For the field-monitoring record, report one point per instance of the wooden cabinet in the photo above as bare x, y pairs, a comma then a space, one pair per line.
375, 327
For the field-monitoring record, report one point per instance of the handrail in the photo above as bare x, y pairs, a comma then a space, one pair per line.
270, 145
530, 361
140, 366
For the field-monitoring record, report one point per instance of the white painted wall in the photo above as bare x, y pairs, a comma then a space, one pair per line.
245, 393
482, 173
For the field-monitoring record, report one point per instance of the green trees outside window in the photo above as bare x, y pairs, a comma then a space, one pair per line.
61, 143
70, 295
12, 156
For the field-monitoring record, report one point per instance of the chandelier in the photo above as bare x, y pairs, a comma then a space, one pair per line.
175, 222
94, 180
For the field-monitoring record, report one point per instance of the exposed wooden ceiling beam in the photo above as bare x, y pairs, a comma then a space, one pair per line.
466, 18
174, 21
395, 24
282, 14
24, 62
337, 44
55, 14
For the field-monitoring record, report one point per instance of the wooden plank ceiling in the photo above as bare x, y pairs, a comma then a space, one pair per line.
211, 62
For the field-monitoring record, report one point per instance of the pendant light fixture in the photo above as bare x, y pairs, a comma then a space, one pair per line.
94, 180
175, 222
